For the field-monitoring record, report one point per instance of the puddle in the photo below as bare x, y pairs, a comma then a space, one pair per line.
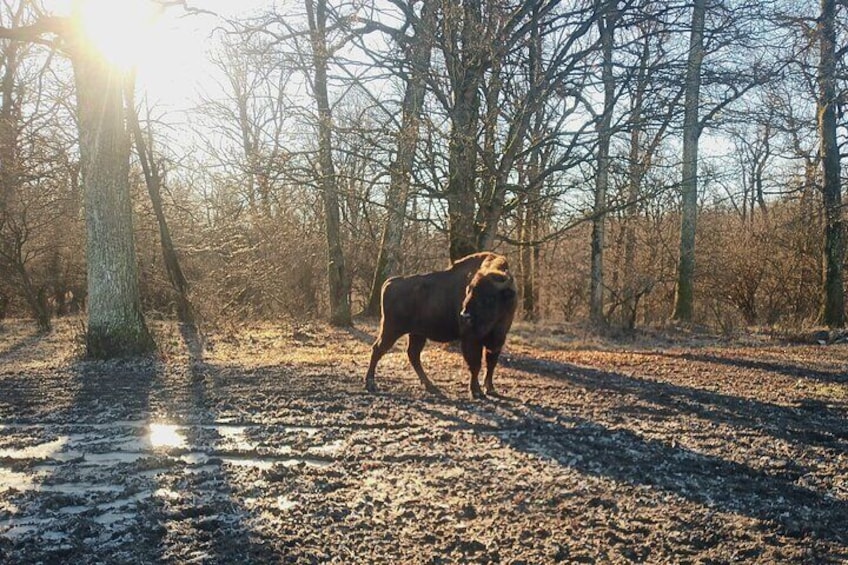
79, 489
41, 451
74, 463
166, 436
72, 510
125, 501
113, 458
327, 449
262, 464
285, 503
14, 480
112, 518
21, 527
167, 494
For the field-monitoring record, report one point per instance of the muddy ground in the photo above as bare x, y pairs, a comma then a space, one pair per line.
263, 447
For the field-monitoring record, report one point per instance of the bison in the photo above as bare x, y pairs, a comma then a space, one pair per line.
473, 301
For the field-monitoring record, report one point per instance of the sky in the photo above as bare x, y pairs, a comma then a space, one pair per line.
172, 65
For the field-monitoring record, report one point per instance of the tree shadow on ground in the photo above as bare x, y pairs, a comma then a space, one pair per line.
767, 366
127, 508
210, 515
808, 424
626, 457
19, 344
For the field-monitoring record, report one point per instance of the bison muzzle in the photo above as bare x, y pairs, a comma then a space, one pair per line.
473, 301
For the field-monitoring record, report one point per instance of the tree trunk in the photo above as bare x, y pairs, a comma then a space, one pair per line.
606, 27
466, 73
153, 180
8, 128
833, 306
340, 314
388, 260
684, 293
115, 322
636, 172
8, 159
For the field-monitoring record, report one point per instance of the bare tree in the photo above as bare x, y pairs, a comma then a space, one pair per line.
684, 296
833, 308
116, 325
340, 312
606, 29
153, 180
417, 50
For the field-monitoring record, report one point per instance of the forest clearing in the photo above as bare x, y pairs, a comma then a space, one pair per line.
264, 447
206, 205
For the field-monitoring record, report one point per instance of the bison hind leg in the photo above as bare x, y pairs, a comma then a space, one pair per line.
381, 347
413, 350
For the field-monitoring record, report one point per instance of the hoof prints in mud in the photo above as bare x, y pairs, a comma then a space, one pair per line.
96, 481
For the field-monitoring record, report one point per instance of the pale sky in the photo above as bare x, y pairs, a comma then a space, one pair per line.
173, 65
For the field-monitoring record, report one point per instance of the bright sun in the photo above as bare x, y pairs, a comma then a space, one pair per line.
121, 30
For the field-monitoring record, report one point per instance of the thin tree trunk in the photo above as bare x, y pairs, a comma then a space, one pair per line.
340, 314
116, 325
528, 255
153, 180
388, 260
833, 307
634, 187
606, 27
684, 293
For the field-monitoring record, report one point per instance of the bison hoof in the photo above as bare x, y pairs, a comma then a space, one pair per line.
476, 393
432, 389
370, 387
490, 391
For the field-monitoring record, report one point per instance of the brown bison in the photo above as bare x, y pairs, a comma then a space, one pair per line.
473, 301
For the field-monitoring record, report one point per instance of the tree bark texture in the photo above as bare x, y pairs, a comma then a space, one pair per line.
465, 70
388, 260
833, 304
116, 325
684, 298
339, 286
606, 28
153, 181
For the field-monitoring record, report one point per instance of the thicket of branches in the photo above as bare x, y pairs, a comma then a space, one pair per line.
592, 141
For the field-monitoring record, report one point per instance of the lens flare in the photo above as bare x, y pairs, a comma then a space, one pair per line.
120, 30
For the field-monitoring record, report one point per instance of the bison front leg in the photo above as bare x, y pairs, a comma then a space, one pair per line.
416, 345
491, 361
380, 347
472, 351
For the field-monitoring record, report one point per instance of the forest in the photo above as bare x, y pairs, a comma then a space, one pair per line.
200, 201
638, 162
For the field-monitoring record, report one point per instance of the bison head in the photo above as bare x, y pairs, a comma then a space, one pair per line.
489, 296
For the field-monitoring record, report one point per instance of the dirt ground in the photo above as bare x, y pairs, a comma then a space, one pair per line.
263, 447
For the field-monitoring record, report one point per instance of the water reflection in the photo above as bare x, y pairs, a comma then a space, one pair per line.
166, 436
